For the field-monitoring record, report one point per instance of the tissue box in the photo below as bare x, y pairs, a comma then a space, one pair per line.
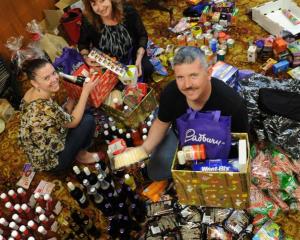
108, 81
214, 189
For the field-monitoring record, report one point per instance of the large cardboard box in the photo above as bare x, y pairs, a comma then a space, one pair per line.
214, 189
137, 115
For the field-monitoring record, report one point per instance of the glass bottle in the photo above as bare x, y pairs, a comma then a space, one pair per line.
78, 195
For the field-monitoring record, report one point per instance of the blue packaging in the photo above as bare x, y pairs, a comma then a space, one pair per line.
217, 165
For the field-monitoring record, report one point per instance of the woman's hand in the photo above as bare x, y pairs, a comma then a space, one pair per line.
91, 62
88, 86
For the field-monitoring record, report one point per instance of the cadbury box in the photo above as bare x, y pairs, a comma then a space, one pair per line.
214, 189
138, 114
108, 81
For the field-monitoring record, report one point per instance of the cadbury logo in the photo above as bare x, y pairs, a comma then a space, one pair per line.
190, 135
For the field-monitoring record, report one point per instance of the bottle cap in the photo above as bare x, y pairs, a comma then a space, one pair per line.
3, 196
93, 190
20, 190
149, 123
22, 228
110, 119
8, 205
144, 130
36, 195
85, 182
151, 117
38, 209
42, 217
100, 176
30, 223
14, 233
76, 169
113, 128
15, 217
105, 125
12, 225
11, 192
17, 206
121, 131
31, 238
181, 158
126, 108
41, 229
87, 171
3, 221
47, 197
127, 176
106, 132
24, 206
144, 137
128, 135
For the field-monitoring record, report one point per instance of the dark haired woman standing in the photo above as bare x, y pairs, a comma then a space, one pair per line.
52, 137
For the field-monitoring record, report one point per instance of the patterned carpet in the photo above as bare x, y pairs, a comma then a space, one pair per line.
12, 158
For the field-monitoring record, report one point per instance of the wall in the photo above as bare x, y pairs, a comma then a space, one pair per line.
14, 16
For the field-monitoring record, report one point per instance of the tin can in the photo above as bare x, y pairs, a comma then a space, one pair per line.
207, 25
191, 41
222, 37
207, 38
213, 44
223, 47
181, 40
200, 39
221, 55
204, 48
230, 42
209, 57
196, 30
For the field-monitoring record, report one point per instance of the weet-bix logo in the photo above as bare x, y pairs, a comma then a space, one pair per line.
190, 135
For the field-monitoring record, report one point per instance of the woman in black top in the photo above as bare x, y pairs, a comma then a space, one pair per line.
118, 31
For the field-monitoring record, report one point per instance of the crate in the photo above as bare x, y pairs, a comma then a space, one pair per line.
108, 81
214, 189
137, 115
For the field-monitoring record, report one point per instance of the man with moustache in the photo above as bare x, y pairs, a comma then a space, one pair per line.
193, 88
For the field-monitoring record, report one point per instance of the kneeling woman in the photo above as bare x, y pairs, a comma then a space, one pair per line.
51, 136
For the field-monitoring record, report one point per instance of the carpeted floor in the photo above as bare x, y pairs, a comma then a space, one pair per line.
12, 158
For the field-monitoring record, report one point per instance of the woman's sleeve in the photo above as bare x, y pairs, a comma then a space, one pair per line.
86, 34
61, 116
141, 33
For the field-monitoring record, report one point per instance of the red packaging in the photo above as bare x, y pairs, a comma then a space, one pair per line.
107, 82
117, 146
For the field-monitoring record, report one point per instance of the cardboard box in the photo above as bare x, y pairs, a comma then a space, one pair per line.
214, 189
137, 115
107, 82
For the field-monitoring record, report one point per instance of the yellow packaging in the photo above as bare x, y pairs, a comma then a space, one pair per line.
214, 189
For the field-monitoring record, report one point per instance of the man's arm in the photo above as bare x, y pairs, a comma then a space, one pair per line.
156, 134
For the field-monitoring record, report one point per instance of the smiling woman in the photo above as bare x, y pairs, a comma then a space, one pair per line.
117, 30
45, 133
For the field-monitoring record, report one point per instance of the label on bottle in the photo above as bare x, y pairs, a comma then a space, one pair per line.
82, 199
58, 207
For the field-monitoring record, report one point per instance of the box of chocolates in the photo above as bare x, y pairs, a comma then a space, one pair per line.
108, 81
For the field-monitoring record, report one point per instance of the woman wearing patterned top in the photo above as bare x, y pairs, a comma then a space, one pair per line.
53, 137
118, 31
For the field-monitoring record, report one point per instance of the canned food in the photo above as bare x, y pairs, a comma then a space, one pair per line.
200, 39
230, 42
221, 55
196, 30
213, 44
181, 40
